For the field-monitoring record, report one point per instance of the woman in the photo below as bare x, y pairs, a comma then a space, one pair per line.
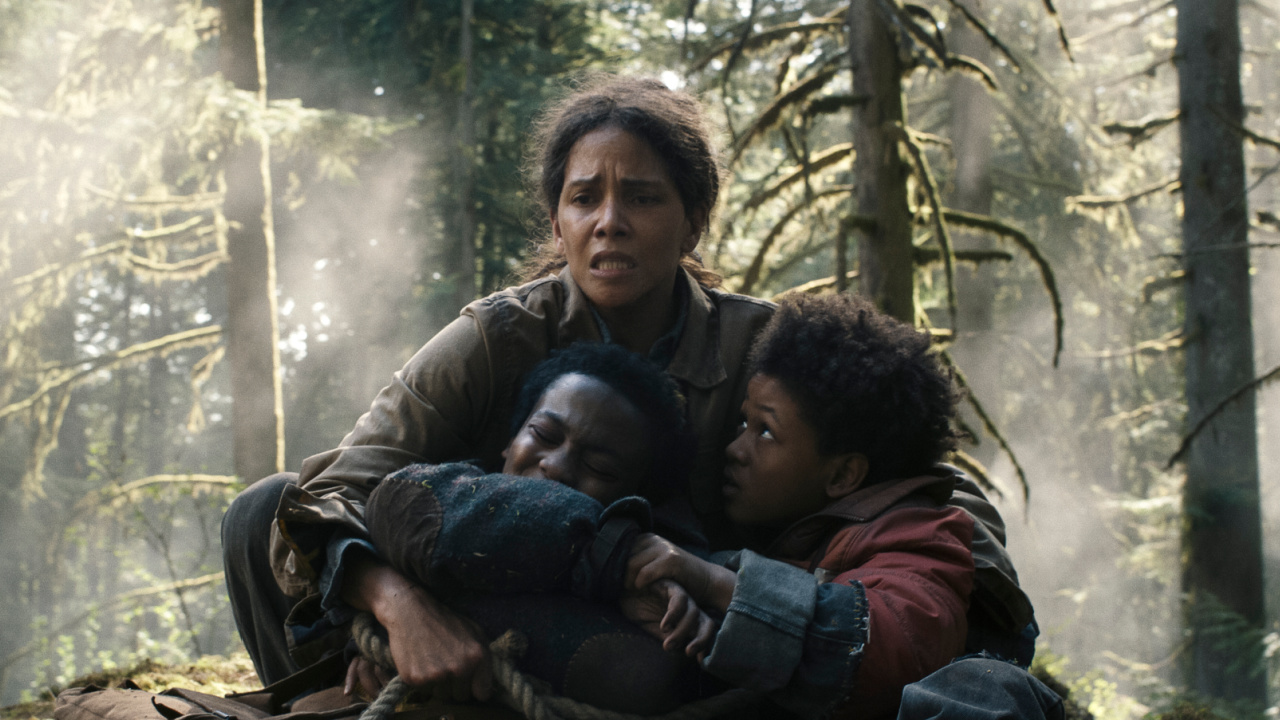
628, 177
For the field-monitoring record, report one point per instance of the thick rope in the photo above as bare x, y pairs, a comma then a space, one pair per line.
518, 692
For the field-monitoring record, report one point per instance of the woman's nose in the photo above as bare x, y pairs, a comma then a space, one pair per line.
612, 220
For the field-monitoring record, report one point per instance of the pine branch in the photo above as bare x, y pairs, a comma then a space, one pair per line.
987, 423
939, 221
771, 114
817, 163
752, 275
1257, 382
1097, 202
990, 224
991, 37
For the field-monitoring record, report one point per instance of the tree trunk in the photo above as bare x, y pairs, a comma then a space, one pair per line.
886, 270
1222, 529
257, 409
466, 268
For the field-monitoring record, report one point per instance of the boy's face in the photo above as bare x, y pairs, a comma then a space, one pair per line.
584, 434
775, 474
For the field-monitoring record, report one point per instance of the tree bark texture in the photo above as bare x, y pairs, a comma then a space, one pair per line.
257, 407
1222, 528
463, 160
886, 270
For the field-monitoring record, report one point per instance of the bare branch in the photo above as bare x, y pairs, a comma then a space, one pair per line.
814, 287
134, 353
1152, 285
928, 255
988, 424
1255, 138
1236, 394
773, 34
1172, 340
940, 225
1097, 202
769, 117
1144, 128
833, 103
991, 37
817, 163
974, 67
752, 274
976, 470
118, 600
1062, 31
169, 203
990, 224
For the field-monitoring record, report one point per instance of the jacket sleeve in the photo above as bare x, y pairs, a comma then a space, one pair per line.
893, 612
433, 410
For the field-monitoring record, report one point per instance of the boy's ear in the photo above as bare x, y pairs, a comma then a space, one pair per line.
848, 476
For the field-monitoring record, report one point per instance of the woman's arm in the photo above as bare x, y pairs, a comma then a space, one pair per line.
431, 644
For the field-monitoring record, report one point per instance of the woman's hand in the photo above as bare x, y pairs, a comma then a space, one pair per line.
663, 609
366, 676
654, 558
430, 644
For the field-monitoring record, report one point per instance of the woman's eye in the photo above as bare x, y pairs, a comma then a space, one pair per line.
742, 427
766, 433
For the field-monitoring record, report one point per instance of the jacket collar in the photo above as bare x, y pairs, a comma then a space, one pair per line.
801, 539
697, 357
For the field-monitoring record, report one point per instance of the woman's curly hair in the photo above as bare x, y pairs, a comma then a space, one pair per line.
864, 381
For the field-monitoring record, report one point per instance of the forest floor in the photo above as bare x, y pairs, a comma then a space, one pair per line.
211, 674
219, 675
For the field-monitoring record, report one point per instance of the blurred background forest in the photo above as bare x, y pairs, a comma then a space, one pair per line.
1037, 155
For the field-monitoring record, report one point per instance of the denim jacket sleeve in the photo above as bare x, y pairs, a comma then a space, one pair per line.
789, 636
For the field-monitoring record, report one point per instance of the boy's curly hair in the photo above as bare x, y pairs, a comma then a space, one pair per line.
864, 381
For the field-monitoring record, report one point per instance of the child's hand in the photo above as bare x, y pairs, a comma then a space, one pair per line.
663, 609
654, 558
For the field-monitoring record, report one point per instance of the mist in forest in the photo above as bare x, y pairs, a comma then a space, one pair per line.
364, 216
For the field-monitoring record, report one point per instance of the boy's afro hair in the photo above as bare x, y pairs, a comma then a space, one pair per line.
864, 381
642, 384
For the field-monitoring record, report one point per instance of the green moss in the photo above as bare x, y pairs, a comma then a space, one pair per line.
211, 674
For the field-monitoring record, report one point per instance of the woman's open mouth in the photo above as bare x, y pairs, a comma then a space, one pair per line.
612, 262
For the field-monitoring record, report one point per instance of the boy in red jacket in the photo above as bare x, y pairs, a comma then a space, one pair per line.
867, 575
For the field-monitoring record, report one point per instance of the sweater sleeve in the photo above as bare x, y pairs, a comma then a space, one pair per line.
893, 611
432, 411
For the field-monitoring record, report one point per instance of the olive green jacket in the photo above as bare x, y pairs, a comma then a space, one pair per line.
453, 401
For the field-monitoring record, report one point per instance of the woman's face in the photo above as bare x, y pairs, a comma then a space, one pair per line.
620, 222
584, 434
